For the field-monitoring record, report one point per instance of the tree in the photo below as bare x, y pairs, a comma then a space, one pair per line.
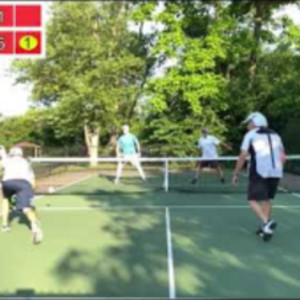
94, 69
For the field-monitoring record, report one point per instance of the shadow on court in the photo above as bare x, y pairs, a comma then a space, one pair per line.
122, 252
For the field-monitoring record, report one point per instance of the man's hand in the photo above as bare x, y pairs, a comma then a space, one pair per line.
235, 179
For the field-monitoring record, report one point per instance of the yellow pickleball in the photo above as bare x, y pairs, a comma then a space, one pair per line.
28, 42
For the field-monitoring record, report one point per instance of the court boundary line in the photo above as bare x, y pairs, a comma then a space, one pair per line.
171, 271
152, 207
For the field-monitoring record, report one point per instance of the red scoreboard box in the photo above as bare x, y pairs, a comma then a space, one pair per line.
21, 29
28, 42
28, 16
6, 15
6, 42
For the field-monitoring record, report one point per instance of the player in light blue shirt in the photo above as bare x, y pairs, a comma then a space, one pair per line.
128, 144
128, 148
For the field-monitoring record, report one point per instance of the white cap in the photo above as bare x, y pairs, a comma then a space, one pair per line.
16, 151
125, 127
257, 118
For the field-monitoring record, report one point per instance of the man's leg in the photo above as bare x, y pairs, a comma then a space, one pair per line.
119, 171
197, 173
136, 163
220, 172
37, 234
5, 215
258, 211
25, 196
266, 207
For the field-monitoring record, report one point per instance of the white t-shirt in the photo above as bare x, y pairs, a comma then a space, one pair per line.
265, 147
208, 145
17, 168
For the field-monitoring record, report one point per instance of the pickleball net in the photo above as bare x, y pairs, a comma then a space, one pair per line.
77, 176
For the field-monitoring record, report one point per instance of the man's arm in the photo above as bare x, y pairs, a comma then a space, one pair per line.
226, 146
283, 156
138, 147
242, 157
118, 152
239, 165
3, 153
32, 176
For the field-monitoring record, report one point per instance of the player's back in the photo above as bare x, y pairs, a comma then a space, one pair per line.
17, 168
266, 150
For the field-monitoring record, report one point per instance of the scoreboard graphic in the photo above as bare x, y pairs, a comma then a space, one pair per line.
22, 29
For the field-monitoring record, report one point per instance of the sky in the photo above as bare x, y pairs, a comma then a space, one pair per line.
15, 99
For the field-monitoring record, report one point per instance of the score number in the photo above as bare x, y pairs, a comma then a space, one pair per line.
28, 43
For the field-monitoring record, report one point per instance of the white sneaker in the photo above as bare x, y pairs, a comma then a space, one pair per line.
267, 229
37, 235
5, 229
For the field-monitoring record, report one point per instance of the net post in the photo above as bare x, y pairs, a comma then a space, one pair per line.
166, 175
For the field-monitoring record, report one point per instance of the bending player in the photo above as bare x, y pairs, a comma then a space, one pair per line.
207, 146
128, 149
17, 185
267, 158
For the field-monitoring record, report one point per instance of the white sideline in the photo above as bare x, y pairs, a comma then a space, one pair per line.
128, 207
171, 272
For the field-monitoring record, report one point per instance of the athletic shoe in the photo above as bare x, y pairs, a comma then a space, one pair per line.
194, 181
5, 228
272, 224
37, 235
267, 237
268, 230
259, 231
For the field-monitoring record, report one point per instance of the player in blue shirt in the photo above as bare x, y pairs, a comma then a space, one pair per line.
128, 148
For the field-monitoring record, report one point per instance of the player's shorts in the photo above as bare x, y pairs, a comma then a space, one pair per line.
260, 189
21, 189
131, 158
209, 164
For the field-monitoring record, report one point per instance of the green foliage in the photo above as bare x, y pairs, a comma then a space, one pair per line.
94, 66
229, 60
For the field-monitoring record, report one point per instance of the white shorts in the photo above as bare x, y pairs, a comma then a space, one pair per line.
132, 158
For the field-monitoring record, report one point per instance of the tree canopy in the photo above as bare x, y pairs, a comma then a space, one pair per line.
102, 70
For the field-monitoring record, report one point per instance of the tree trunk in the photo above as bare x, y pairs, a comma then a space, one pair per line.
258, 19
92, 143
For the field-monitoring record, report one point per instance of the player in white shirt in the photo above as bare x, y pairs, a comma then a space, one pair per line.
267, 157
17, 183
207, 146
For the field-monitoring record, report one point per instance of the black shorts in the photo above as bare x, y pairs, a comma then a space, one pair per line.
261, 189
214, 164
21, 189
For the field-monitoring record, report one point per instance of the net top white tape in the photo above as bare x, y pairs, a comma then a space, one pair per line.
141, 159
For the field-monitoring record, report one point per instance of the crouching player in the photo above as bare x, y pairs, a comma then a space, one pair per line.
17, 185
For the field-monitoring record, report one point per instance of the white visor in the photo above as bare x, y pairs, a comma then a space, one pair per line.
258, 119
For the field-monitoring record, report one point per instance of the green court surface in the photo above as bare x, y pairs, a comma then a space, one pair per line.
152, 244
